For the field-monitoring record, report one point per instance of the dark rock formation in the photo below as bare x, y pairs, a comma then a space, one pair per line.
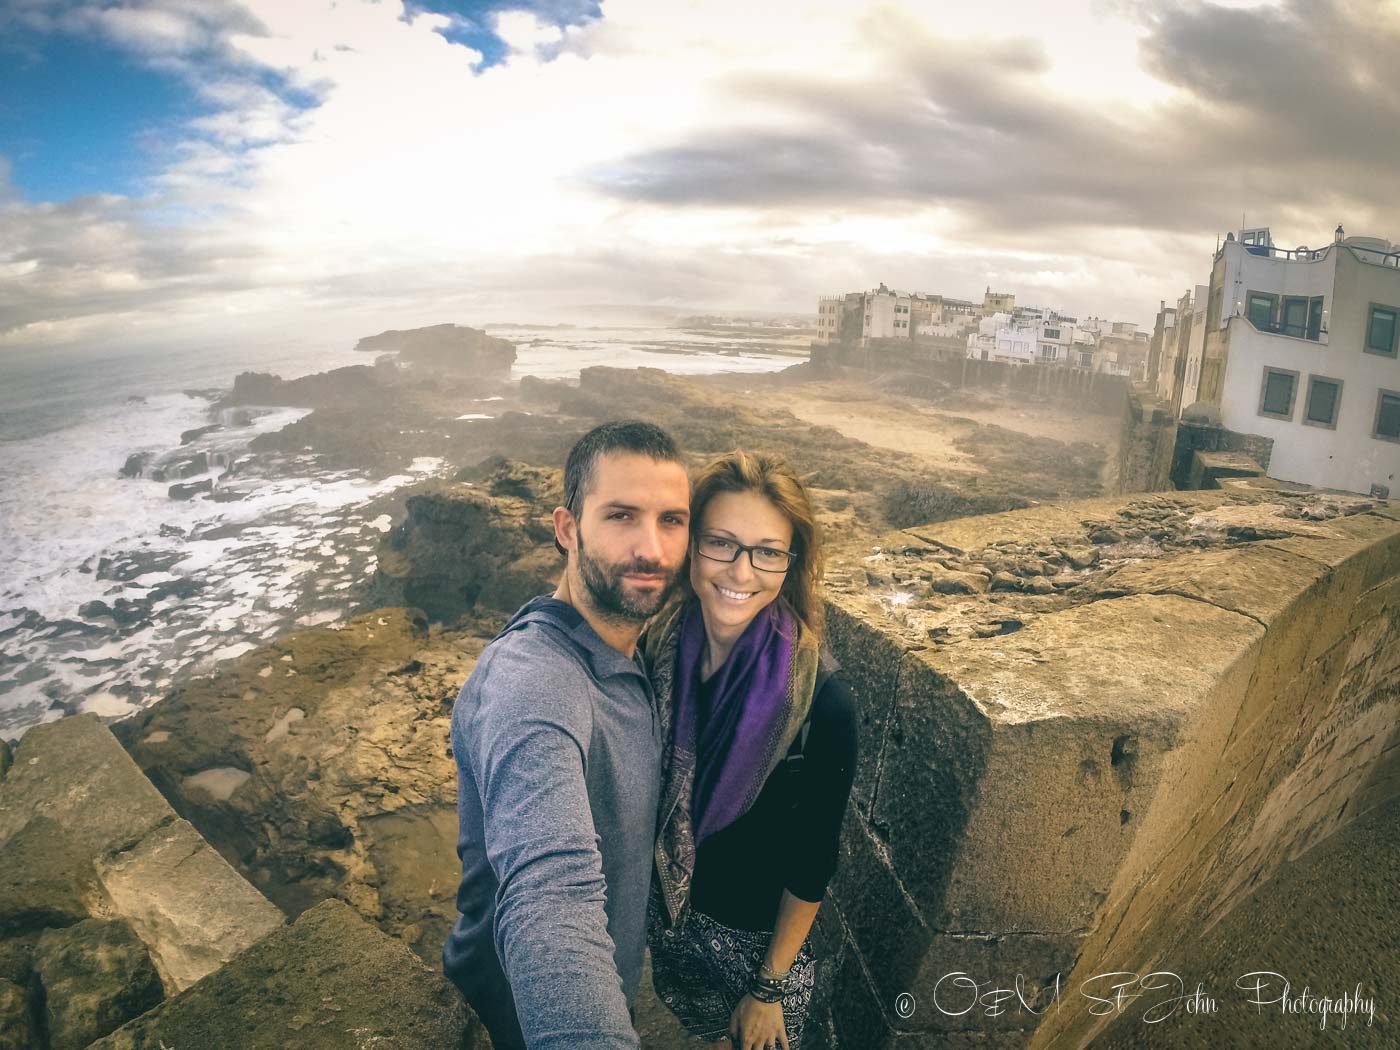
329, 982
353, 384
135, 463
181, 467
191, 490
487, 542
198, 432
96, 976
445, 348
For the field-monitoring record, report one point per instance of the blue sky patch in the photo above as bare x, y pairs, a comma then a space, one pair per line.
476, 17
83, 118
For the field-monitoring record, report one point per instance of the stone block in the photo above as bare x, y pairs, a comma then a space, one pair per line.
331, 981
96, 976
186, 902
1086, 704
870, 665
45, 880
886, 933
931, 769
74, 771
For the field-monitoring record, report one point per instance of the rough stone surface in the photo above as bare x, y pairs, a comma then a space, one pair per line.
96, 976
1052, 751
1325, 922
329, 982
17, 957
17, 1028
45, 880
186, 902
97, 812
335, 801
489, 540
74, 771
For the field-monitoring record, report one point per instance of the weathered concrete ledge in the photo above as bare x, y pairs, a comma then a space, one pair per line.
1089, 728
331, 981
73, 786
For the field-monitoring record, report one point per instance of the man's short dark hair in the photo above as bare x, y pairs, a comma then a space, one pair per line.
624, 435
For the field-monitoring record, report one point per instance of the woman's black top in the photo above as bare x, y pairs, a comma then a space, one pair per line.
790, 836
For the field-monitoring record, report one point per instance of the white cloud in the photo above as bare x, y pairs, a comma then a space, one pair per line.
523, 31
422, 183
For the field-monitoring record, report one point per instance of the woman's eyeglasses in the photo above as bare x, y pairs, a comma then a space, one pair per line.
765, 559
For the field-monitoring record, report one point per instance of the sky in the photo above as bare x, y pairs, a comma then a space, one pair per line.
174, 171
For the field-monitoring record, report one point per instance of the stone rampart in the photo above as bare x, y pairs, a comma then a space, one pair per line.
1094, 391
1087, 731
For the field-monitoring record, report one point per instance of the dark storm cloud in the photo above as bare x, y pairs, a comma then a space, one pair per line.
1282, 110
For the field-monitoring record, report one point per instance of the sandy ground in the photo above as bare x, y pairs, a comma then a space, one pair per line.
911, 425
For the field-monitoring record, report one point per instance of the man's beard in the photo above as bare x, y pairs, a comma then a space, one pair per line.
606, 590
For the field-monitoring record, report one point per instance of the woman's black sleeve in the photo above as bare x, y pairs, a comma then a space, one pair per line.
824, 786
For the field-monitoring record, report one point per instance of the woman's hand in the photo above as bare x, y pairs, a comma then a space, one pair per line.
755, 1025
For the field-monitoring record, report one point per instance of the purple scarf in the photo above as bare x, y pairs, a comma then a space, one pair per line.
718, 758
737, 732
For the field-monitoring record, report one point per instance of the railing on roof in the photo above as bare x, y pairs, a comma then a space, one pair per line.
1373, 256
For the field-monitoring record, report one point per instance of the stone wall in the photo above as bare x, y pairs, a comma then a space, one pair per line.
1145, 447
1093, 391
1195, 436
1086, 730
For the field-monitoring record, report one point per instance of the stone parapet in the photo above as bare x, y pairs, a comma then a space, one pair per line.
1154, 703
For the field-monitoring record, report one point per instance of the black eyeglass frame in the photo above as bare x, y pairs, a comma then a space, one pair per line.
740, 548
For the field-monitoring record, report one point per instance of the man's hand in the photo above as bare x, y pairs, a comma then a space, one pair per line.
755, 1025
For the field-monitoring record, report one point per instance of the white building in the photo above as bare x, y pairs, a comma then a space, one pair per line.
878, 314
1195, 346
999, 338
1303, 346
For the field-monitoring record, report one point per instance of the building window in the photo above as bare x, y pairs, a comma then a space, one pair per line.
1381, 327
1260, 308
1276, 397
1052, 333
1387, 426
1293, 318
1324, 395
1300, 317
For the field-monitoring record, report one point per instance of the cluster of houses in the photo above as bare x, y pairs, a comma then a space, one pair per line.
996, 329
1292, 349
1299, 346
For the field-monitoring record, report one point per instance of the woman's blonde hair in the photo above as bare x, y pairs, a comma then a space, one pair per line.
770, 476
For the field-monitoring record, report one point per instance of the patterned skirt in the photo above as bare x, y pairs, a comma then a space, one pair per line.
702, 969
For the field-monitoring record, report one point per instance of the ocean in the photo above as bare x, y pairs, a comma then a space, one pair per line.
111, 591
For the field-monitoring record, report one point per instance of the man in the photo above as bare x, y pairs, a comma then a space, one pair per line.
558, 750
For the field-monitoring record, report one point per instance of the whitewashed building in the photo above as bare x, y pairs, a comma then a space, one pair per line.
1303, 346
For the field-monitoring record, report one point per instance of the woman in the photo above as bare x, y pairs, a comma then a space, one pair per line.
759, 761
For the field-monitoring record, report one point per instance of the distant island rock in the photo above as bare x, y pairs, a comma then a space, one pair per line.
444, 348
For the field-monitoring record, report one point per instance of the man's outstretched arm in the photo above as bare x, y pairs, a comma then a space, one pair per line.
530, 736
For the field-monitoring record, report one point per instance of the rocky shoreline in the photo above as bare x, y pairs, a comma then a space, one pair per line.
316, 759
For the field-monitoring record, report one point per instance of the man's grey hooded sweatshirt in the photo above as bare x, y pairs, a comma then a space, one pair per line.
558, 752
